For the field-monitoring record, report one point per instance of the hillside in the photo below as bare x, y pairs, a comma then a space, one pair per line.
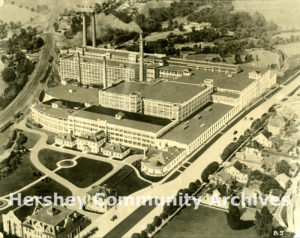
284, 13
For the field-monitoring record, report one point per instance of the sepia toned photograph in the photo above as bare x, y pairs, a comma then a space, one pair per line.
150, 118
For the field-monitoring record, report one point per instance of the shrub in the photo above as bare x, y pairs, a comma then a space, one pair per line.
210, 169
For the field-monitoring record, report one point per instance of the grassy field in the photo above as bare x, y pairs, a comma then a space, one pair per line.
19, 178
32, 139
265, 58
14, 13
161, 35
202, 223
49, 158
122, 228
284, 13
86, 172
125, 181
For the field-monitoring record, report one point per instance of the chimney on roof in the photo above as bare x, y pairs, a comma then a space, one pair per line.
141, 58
84, 36
105, 83
94, 29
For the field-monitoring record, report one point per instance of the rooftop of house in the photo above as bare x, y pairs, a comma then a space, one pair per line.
23, 211
95, 137
236, 82
249, 214
102, 190
166, 91
52, 215
130, 119
156, 158
192, 127
70, 92
114, 147
66, 137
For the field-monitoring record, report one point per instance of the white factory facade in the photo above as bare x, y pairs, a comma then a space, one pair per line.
179, 106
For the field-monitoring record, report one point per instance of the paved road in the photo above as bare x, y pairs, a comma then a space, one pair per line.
194, 171
33, 86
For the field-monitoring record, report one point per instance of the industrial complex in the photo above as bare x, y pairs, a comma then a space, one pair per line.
146, 100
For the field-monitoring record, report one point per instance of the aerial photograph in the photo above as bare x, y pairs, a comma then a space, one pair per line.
150, 118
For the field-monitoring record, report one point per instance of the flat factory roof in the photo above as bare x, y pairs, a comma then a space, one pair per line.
227, 94
78, 94
131, 120
188, 130
167, 91
127, 88
237, 82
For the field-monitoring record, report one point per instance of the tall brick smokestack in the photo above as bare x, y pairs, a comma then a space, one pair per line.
94, 29
84, 35
141, 58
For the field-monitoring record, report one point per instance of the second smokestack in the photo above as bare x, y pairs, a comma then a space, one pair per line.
141, 58
84, 35
94, 29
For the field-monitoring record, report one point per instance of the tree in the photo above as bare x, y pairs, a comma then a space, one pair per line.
8, 75
263, 223
283, 167
248, 58
136, 235
229, 149
157, 221
269, 184
144, 234
234, 221
150, 228
21, 139
210, 169
256, 175
56, 26
238, 59
192, 187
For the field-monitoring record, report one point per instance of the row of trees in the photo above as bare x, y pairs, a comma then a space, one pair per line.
27, 39
11, 163
15, 74
168, 210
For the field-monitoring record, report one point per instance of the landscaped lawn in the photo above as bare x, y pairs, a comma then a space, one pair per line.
123, 227
125, 181
19, 178
86, 172
49, 158
32, 139
202, 223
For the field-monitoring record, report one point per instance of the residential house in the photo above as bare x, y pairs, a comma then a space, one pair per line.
248, 214
115, 150
91, 143
239, 172
212, 197
97, 198
250, 157
53, 221
264, 139
220, 178
276, 123
66, 140
283, 180
12, 221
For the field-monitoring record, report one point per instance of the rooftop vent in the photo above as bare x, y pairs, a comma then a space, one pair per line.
185, 127
71, 90
202, 125
119, 115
